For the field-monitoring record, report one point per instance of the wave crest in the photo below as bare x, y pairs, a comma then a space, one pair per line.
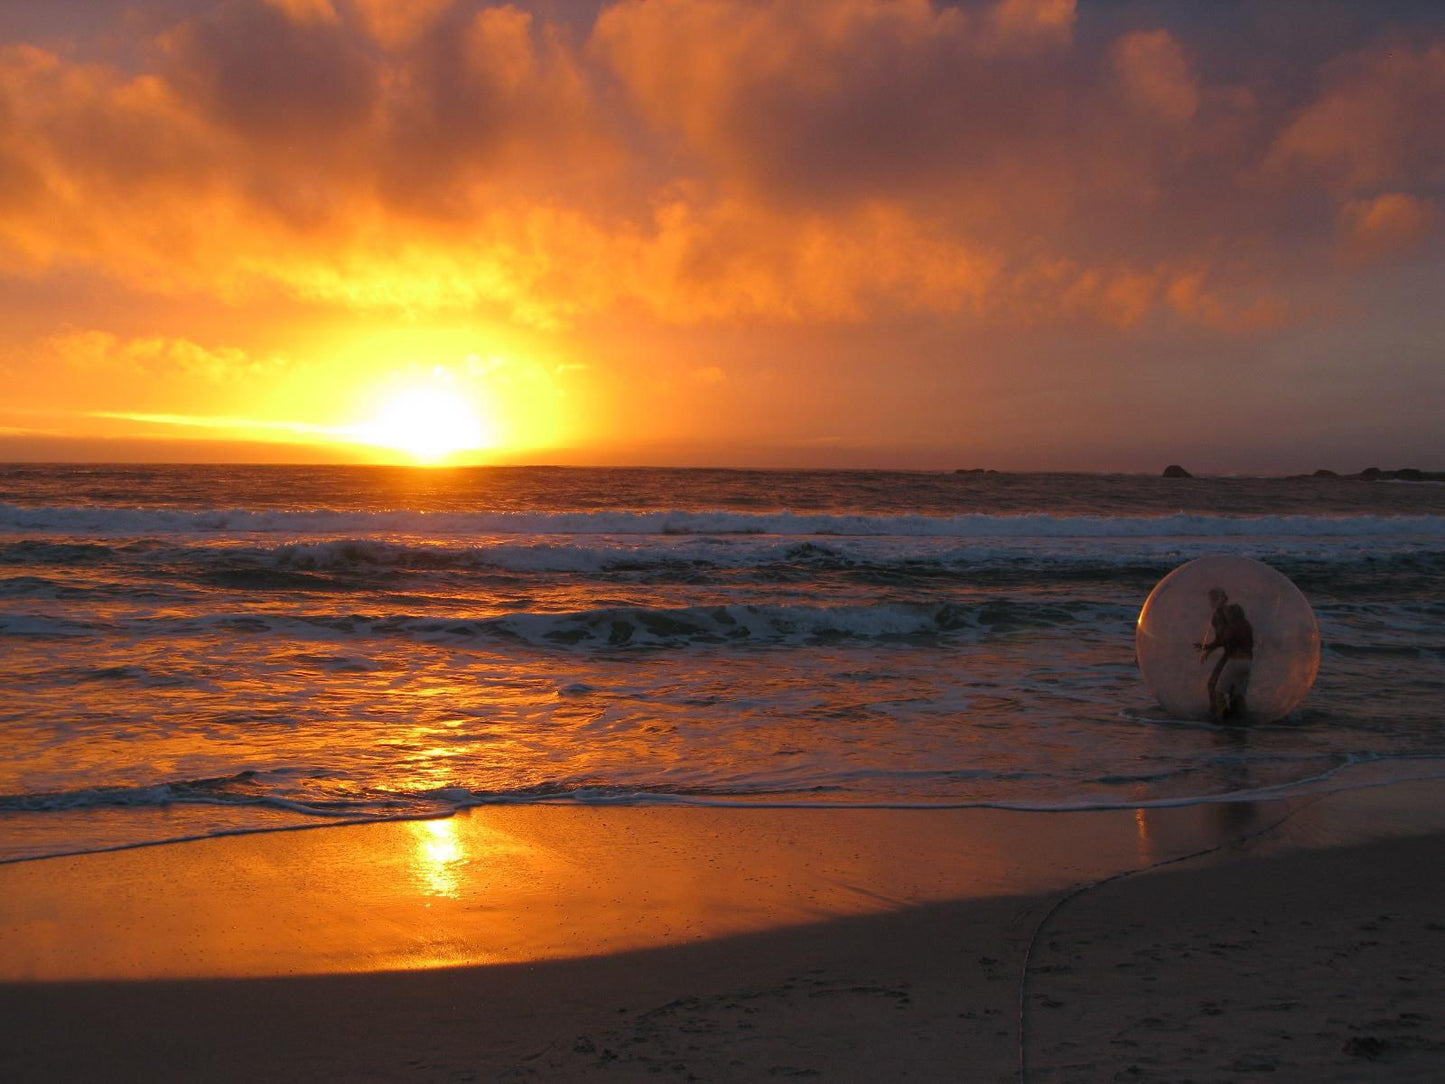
138, 522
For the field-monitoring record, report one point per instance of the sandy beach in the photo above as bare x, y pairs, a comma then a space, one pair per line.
1303, 940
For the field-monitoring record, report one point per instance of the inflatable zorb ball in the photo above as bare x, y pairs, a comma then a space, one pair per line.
1238, 601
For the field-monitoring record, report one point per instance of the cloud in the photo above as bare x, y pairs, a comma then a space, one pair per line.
694, 161
1193, 297
80, 375
733, 259
1373, 229
274, 73
1156, 76
1376, 122
487, 104
857, 98
176, 360
234, 427
394, 25
305, 11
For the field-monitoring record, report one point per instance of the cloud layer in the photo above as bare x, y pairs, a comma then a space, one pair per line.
705, 160
1040, 167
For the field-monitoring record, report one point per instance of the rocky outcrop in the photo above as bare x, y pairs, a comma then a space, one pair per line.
1404, 474
1375, 474
1174, 470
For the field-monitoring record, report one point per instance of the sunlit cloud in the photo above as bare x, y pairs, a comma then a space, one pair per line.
418, 423
1375, 123
1156, 76
606, 178
343, 179
231, 426
176, 359
1374, 229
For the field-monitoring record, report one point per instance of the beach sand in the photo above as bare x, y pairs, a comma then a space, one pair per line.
1306, 943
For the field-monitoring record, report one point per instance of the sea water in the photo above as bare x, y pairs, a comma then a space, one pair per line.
191, 651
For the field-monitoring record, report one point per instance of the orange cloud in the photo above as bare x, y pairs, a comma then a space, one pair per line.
167, 372
1373, 229
99, 351
1191, 296
397, 25
854, 98
696, 160
1156, 75
305, 11
78, 374
1377, 123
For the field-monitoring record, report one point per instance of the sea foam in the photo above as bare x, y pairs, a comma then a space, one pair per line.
102, 522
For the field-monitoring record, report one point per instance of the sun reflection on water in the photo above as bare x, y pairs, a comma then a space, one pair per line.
439, 857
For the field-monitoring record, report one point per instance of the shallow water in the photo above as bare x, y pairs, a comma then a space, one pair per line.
191, 650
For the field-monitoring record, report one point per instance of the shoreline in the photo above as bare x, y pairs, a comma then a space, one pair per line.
519, 884
1315, 947
189, 823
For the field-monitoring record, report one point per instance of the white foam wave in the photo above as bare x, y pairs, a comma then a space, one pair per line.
108, 522
627, 627
1352, 774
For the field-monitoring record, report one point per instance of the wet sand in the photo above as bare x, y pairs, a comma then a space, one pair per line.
1307, 944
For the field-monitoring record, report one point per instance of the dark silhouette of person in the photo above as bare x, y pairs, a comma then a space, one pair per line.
1218, 618
1233, 635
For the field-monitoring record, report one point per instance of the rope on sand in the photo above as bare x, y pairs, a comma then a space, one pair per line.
1079, 890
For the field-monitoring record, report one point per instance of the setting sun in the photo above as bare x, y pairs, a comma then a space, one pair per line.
428, 423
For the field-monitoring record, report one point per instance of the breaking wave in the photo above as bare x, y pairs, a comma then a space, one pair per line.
637, 626
102, 522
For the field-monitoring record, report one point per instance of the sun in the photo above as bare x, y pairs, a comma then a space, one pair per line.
429, 423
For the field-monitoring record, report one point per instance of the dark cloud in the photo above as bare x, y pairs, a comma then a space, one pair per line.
483, 97
271, 77
849, 100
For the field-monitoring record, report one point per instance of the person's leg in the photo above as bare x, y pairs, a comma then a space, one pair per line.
1216, 705
1232, 686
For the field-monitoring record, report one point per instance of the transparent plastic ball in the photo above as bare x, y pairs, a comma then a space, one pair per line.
1270, 641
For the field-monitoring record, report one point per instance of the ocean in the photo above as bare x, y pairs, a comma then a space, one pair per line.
191, 651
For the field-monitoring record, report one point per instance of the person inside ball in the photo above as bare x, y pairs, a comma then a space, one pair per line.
1232, 634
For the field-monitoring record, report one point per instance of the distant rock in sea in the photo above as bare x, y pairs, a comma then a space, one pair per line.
1174, 470
1375, 474
1403, 474
974, 470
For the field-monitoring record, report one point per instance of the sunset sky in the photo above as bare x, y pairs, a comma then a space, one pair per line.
1026, 234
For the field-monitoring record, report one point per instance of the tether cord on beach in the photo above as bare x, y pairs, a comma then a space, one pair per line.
1074, 893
